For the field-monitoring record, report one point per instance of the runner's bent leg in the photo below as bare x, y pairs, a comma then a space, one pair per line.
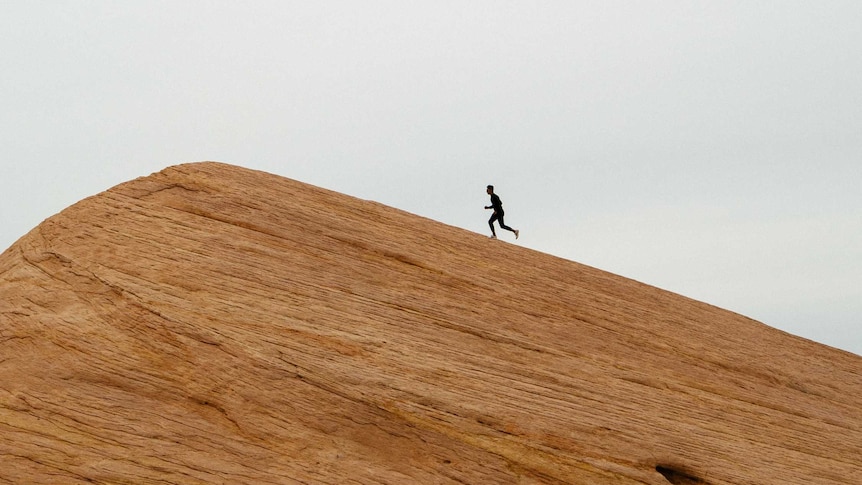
503, 225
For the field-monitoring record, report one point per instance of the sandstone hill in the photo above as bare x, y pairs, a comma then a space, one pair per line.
212, 324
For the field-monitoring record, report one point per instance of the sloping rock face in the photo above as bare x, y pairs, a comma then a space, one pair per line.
212, 324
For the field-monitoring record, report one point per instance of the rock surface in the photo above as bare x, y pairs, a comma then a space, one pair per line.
212, 324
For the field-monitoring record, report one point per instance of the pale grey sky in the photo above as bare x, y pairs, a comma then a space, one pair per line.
709, 148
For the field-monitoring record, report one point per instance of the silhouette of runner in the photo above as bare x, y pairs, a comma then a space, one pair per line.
497, 205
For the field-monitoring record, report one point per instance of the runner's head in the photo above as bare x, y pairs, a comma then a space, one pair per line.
490, 189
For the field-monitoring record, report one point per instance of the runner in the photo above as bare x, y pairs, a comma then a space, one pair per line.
497, 205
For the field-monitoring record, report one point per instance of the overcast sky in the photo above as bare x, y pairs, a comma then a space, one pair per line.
710, 148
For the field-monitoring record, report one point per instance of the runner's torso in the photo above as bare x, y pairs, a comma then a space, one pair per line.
496, 203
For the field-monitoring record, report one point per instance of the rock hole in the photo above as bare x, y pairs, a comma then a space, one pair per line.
678, 477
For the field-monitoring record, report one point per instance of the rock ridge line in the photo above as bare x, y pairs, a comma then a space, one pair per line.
214, 324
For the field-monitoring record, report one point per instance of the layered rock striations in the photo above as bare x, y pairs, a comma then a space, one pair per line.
212, 324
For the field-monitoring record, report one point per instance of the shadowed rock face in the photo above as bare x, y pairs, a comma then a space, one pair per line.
212, 324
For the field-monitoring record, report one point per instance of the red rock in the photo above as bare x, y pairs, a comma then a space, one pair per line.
212, 324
